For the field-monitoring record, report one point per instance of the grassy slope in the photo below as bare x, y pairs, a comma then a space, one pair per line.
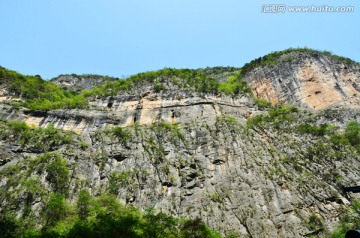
38, 94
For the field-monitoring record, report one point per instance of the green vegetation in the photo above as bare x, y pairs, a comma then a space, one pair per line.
54, 167
273, 58
314, 130
227, 120
351, 135
230, 122
219, 70
187, 79
234, 85
262, 103
345, 60
45, 180
25, 186
163, 129
39, 94
108, 88
349, 220
216, 198
158, 86
58, 175
183, 78
55, 209
104, 216
83, 206
315, 222
34, 139
121, 133
88, 76
83, 145
276, 116
119, 180
319, 144
155, 149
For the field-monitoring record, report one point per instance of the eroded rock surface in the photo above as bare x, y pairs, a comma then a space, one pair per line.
309, 80
80, 82
198, 155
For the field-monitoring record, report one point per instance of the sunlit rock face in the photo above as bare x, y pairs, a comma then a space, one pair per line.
116, 111
309, 80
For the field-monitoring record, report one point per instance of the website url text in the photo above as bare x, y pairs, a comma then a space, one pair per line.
282, 8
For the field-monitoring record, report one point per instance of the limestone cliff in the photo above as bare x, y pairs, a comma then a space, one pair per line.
308, 79
242, 168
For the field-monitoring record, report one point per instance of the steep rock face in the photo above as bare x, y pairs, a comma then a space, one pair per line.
202, 155
266, 181
3, 93
125, 111
233, 178
311, 80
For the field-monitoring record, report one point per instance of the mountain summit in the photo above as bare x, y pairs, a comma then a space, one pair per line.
305, 78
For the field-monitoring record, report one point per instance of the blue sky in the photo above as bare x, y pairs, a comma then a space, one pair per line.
124, 37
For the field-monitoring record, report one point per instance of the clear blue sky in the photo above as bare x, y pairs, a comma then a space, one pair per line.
124, 37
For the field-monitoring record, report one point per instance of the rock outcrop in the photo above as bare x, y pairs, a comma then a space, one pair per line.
80, 82
312, 80
204, 155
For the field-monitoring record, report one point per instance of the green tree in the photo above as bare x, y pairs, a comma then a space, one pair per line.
58, 174
352, 133
83, 204
55, 209
159, 225
8, 227
197, 229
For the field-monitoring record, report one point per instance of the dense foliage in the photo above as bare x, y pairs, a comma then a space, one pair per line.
275, 116
262, 103
39, 94
108, 88
89, 216
183, 79
104, 216
234, 85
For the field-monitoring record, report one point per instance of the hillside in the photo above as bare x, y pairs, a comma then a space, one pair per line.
257, 151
